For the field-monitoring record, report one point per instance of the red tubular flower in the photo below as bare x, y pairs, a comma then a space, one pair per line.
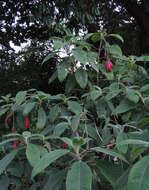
109, 65
15, 143
126, 82
27, 125
64, 146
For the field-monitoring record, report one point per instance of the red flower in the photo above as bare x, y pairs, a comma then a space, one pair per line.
126, 82
27, 125
15, 143
109, 65
64, 146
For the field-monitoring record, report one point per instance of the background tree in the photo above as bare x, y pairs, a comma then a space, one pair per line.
37, 21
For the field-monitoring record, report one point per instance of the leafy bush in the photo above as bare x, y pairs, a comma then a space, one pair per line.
93, 136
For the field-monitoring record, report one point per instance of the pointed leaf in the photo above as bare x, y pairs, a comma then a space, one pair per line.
109, 170
32, 153
139, 175
46, 160
79, 177
81, 77
28, 108
110, 153
4, 162
60, 128
75, 107
41, 118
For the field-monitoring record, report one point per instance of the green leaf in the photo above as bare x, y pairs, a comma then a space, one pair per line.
60, 129
48, 57
92, 57
53, 77
70, 83
4, 182
32, 153
109, 170
55, 179
75, 122
121, 183
75, 107
143, 122
121, 137
124, 106
117, 36
81, 77
41, 118
28, 108
139, 175
46, 160
79, 177
92, 132
96, 37
3, 111
58, 44
54, 112
4, 162
95, 94
110, 153
115, 50
20, 97
113, 91
101, 108
133, 96
143, 58
63, 70
145, 88
134, 142
80, 55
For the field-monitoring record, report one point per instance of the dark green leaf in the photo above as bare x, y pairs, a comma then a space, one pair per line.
75, 107
20, 97
110, 153
124, 106
81, 77
55, 179
60, 128
32, 153
4, 162
46, 160
28, 108
41, 118
109, 170
79, 177
139, 175
119, 139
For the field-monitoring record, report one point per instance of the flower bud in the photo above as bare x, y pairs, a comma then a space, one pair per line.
64, 146
15, 143
109, 65
27, 125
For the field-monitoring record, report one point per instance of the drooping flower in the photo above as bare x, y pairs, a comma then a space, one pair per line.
126, 83
109, 65
15, 143
64, 146
27, 125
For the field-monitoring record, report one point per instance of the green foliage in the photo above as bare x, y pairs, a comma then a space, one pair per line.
92, 133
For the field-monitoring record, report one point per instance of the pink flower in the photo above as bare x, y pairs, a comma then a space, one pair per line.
109, 65
15, 143
64, 146
27, 125
126, 82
